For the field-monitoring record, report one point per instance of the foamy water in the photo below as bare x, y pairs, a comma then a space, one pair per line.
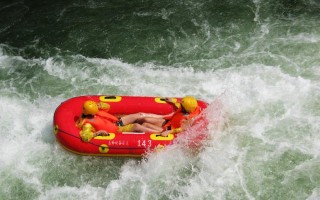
258, 68
264, 137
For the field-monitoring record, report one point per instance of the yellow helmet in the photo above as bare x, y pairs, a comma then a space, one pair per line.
189, 103
90, 108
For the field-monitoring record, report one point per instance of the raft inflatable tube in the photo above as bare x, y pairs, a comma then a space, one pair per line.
129, 144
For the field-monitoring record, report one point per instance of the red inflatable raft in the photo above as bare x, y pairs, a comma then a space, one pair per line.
130, 144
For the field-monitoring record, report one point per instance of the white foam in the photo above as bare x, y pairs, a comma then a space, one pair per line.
257, 103
68, 192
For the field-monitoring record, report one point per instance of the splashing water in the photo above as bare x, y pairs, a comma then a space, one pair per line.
257, 64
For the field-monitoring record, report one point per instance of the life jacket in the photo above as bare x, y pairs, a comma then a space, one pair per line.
102, 121
176, 119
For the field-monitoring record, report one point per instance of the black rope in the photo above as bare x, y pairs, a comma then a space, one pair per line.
92, 143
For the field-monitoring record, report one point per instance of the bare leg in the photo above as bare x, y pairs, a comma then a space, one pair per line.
139, 128
152, 126
129, 119
158, 122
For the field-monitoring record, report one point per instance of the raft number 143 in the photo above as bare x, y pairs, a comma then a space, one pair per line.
144, 143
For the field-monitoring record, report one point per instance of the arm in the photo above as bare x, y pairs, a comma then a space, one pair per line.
168, 100
144, 115
173, 101
88, 132
174, 131
184, 124
103, 106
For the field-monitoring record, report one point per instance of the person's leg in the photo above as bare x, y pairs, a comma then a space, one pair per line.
139, 128
129, 119
157, 122
152, 126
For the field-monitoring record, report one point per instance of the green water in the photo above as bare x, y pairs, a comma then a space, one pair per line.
256, 62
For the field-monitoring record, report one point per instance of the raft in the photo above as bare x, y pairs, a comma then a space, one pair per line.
129, 144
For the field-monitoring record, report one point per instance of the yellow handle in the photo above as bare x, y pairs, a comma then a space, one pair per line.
157, 136
110, 98
111, 136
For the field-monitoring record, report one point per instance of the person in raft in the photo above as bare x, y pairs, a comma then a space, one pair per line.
96, 121
175, 122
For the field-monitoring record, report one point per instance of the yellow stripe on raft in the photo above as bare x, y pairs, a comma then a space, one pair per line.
111, 136
157, 136
56, 129
110, 98
162, 100
103, 148
159, 100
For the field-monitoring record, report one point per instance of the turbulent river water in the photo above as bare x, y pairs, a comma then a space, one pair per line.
257, 64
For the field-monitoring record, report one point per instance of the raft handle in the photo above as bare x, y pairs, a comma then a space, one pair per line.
161, 135
109, 97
